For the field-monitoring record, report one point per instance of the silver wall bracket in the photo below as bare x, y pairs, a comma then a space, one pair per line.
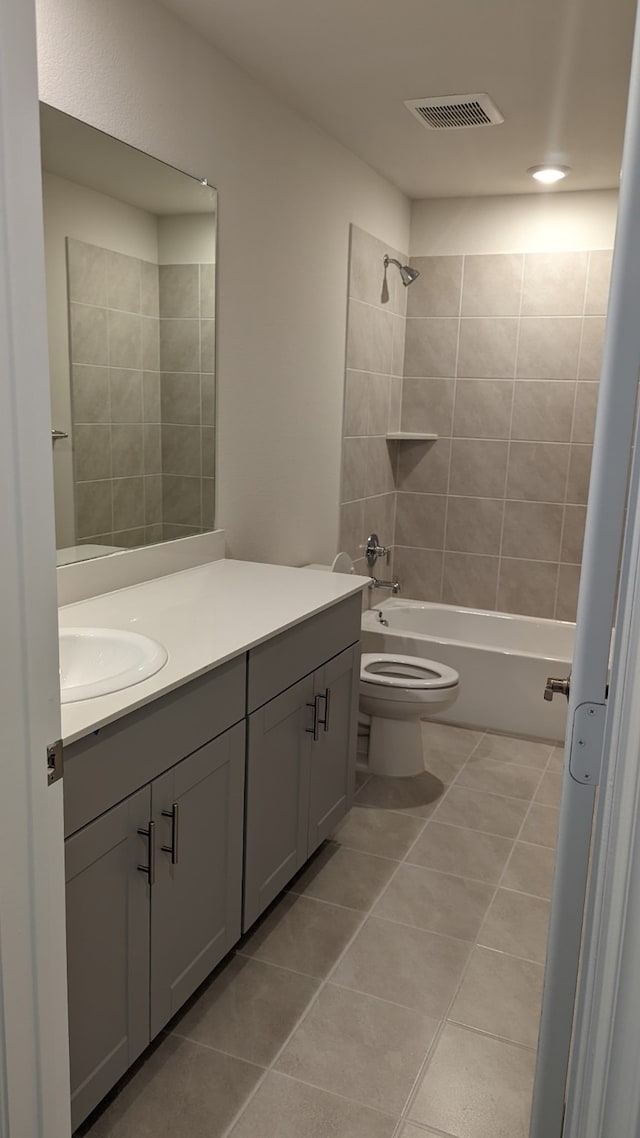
585, 756
54, 762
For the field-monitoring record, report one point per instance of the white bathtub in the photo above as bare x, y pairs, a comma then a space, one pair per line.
503, 661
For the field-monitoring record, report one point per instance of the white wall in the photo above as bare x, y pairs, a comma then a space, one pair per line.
546, 222
187, 238
71, 210
287, 195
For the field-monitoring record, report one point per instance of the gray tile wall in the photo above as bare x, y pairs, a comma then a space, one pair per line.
373, 387
187, 397
143, 431
502, 359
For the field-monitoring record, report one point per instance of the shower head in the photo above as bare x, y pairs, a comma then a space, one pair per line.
407, 274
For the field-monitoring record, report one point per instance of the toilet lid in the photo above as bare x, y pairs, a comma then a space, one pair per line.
413, 672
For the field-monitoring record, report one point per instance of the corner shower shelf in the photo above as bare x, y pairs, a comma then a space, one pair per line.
411, 437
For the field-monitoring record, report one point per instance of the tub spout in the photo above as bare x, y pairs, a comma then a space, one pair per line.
393, 586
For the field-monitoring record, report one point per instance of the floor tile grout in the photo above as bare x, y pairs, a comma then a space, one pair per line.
404, 1116
310, 1005
491, 1035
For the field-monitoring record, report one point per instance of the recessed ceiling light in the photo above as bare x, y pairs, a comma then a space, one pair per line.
549, 174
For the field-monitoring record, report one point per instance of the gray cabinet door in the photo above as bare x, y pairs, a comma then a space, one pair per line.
279, 756
333, 756
107, 900
196, 900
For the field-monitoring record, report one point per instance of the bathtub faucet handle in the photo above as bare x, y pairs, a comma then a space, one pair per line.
373, 550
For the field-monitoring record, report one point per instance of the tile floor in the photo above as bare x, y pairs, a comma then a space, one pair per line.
393, 991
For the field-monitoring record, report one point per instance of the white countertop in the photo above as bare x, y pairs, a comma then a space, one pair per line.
203, 616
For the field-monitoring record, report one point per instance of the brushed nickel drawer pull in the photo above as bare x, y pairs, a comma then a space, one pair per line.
173, 814
150, 869
315, 730
327, 708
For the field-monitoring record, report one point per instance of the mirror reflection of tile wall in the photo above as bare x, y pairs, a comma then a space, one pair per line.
142, 361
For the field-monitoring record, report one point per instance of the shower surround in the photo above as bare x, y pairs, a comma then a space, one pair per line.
501, 359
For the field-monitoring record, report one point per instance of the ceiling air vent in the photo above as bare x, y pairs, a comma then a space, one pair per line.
453, 112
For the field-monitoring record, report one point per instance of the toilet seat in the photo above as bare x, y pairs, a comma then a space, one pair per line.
392, 674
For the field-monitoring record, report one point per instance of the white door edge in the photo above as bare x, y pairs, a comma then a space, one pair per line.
34, 1066
603, 1094
615, 422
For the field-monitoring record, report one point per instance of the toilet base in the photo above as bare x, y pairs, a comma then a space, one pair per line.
395, 747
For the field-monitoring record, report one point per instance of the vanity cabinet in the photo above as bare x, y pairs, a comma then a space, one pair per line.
278, 779
160, 830
154, 890
301, 748
154, 882
333, 752
196, 898
107, 902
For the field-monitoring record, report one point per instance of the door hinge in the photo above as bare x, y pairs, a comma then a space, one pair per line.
55, 761
585, 756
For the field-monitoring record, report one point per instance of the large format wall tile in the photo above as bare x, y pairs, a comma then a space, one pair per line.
483, 408
492, 285
470, 579
427, 405
478, 467
488, 347
548, 348
368, 280
502, 359
597, 297
87, 273
543, 410
436, 292
430, 346
130, 424
554, 284
474, 525
123, 282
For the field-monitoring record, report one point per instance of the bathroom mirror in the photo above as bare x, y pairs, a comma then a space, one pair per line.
130, 249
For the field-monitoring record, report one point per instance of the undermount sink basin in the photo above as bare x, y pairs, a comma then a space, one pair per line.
96, 661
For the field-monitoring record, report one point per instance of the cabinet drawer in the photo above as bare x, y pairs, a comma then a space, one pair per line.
280, 662
106, 767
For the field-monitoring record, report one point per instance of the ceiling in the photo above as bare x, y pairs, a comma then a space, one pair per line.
74, 150
557, 70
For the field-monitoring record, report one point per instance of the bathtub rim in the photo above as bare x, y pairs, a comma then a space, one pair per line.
371, 624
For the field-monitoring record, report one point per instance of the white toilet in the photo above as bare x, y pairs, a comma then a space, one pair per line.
397, 692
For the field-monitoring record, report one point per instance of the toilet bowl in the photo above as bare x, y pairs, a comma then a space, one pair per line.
397, 692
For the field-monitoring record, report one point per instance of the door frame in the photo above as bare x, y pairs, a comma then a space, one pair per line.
34, 1068
603, 1096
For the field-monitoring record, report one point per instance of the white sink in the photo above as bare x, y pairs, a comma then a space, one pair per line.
96, 661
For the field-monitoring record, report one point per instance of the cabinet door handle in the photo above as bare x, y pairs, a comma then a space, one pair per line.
173, 814
327, 707
315, 730
150, 869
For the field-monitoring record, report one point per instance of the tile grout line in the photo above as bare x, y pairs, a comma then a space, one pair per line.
404, 1116
513, 403
571, 430
451, 429
311, 1004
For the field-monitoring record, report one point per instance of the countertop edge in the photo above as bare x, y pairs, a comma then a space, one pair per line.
352, 585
